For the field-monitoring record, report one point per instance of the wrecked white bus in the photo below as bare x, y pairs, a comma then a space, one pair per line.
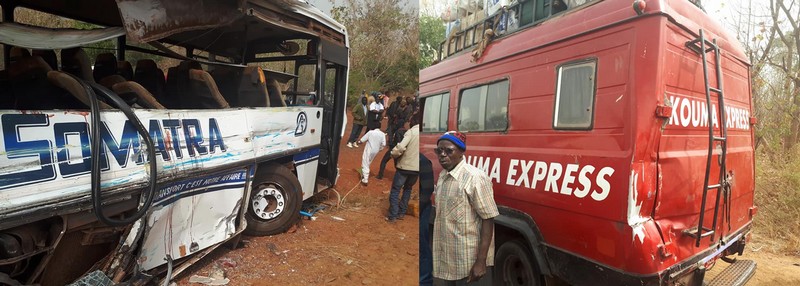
135, 145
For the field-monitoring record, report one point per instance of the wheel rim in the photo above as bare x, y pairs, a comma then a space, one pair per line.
269, 201
514, 271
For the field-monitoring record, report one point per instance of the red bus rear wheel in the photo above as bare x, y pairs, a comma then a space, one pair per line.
514, 265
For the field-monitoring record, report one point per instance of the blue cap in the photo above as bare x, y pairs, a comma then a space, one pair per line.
457, 138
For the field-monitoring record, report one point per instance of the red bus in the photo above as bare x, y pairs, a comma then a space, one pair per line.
618, 138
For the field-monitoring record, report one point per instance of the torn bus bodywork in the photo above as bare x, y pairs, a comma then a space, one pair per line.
236, 154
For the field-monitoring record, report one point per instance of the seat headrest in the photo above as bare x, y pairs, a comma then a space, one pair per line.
18, 52
28, 68
76, 62
146, 64
105, 64
49, 56
125, 69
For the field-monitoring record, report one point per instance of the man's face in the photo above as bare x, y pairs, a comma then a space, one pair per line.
448, 153
402, 103
363, 100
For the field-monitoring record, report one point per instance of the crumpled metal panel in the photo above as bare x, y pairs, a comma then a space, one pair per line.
50, 39
148, 20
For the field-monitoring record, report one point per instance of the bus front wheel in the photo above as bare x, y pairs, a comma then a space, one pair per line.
515, 266
275, 201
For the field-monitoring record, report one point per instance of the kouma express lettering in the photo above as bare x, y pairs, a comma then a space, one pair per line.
173, 139
572, 180
694, 113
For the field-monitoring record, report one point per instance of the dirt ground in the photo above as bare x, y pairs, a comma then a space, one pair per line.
347, 245
773, 267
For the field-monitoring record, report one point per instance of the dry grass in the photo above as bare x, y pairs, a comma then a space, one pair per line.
777, 224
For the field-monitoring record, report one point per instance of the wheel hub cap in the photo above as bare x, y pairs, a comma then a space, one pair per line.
268, 203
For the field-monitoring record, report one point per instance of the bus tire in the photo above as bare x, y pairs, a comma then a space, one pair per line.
514, 265
275, 201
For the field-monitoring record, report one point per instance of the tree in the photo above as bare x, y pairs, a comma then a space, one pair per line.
771, 36
431, 34
787, 61
383, 45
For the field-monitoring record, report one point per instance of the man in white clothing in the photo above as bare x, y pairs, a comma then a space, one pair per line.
375, 140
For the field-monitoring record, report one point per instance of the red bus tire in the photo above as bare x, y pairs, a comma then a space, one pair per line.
514, 265
275, 201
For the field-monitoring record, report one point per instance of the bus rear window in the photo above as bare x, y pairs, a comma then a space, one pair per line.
484, 107
575, 92
434, 112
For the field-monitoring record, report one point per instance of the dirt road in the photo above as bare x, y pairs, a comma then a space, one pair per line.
348, 245
774, 269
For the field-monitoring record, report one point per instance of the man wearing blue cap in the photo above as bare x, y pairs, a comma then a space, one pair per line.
463, 232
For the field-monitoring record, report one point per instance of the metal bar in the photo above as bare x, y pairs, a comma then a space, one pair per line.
720, 138
723, 129
710, 139
121, 48
713, 186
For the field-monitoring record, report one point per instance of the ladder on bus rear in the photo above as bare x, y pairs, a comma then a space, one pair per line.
702, 46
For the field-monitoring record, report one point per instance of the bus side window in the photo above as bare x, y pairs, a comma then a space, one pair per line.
484, 107
434, 112
575, 93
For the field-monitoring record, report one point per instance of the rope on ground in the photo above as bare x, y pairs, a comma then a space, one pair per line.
341, 202
338, 196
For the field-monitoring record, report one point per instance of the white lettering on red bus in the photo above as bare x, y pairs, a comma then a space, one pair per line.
553, 177
688, 112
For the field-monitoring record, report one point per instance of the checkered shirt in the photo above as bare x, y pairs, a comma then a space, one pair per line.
463, 198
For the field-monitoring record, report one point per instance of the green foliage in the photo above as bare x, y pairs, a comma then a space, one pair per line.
383, 46
431, 34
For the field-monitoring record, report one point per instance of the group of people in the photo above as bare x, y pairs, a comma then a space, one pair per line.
369, 112
403, 144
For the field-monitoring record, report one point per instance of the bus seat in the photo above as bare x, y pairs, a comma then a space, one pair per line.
276, 97
143, 97
253, 88
76, 62
149, 76
105, 64
125, 69
109, 82
177, 84
205, 91
49, 56
31, 89
71, 85
27, 78
17, 53
227, 79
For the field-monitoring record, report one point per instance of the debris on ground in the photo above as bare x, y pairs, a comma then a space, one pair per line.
226, 262
337, 218
273, 248
208, 280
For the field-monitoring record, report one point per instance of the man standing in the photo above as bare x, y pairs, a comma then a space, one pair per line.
463, 232
374, 112
375, 140
359, 121
407, 154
